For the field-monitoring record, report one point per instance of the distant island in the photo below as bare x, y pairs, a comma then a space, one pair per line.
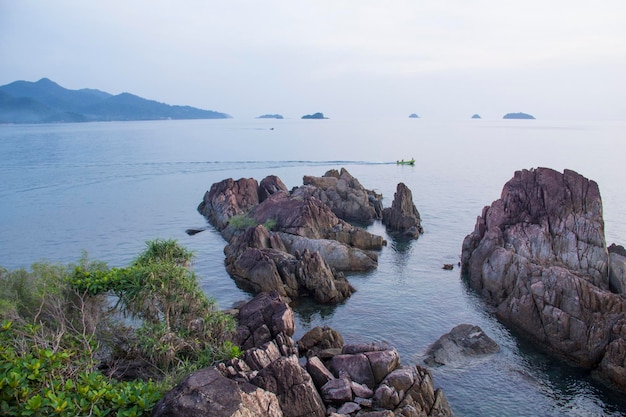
45, 101
518, 116
476, 116
413, 116
271, 116
314, 116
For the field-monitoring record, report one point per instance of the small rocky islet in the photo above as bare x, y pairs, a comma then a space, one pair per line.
551, 278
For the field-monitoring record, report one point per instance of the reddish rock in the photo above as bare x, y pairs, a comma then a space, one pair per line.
538, 254
402, 217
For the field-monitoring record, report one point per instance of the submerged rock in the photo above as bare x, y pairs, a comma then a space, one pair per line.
462, 343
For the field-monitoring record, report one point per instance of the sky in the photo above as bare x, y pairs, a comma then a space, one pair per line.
441, 59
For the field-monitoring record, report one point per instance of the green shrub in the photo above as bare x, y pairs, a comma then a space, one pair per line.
61, 321
241, 222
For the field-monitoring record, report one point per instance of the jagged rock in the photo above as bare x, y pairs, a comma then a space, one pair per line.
317, 339
229, 198
344, 194
269, 381
309, 217
257, 260
538, 254
207, 393
338, 390
270, 185
293, 387
338, 255
266, 310
463, 341
402, 217
310, 248
319, 373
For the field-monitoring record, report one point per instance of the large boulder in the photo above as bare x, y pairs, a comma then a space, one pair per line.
402, 217
463, 342
344, 195
208, 393
539, 256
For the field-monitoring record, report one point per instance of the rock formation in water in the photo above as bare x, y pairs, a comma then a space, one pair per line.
268, 380
463, 342
476, 116
538, 254
413, 116
293, 242
402, 218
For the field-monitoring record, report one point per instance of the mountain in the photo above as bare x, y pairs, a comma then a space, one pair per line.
45, 101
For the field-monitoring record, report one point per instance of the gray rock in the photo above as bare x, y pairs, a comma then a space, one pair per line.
617, 269
293, 387
207, 393
337, 390
463, 342
319, 373
356, 365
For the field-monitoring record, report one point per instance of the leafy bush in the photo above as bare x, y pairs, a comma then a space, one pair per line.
61, 324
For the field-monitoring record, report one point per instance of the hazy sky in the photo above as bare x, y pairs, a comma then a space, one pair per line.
444, 59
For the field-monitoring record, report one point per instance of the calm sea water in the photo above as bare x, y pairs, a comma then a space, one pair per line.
107, 188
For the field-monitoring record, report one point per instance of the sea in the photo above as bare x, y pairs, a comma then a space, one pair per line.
105, 189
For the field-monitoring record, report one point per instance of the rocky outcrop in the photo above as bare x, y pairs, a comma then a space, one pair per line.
538, 255
308, 246
227, 199
258, 260
402, 218
344, 195
463, 343
268, 380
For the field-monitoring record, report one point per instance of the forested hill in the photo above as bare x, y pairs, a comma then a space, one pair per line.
45, 101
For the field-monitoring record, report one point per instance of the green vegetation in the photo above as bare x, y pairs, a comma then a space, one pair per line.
242, 221
69, 333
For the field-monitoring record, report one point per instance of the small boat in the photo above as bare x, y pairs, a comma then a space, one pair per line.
407, 162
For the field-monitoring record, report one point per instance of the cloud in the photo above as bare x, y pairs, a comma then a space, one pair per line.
240, 54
